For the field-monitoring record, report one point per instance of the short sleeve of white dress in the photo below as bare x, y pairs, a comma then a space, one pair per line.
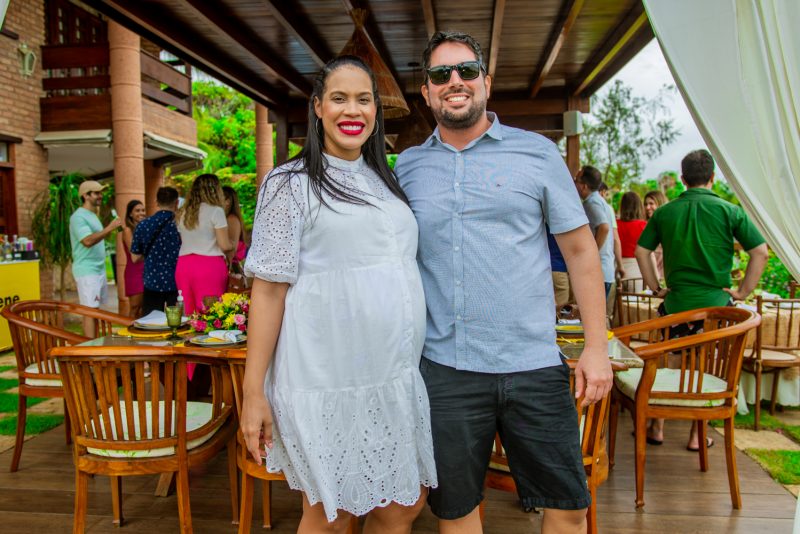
277, 229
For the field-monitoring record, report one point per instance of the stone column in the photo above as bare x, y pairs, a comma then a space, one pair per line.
153, 179
264, 150
126, 124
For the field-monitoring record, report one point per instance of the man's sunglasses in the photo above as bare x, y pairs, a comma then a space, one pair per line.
468, 70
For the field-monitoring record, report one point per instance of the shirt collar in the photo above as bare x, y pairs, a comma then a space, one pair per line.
345, 164
495, 131
699, 191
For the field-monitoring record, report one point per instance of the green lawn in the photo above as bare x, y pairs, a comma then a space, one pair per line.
34, 423
783, 466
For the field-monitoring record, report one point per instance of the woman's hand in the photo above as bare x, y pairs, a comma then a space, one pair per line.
256, 425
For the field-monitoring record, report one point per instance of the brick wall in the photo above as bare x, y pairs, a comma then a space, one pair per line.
19, 110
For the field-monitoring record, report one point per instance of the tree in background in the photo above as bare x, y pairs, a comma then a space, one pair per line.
623, 130
50, 223
226, 127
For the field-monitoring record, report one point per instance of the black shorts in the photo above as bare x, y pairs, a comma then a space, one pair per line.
534, 413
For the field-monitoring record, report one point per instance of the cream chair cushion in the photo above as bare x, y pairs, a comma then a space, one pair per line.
34, 369
197, 415
669, 380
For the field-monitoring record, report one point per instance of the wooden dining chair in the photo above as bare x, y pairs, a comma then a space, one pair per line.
127, 423
635, 305
703, 387
593, 424
247, 465
36, 327
776, 350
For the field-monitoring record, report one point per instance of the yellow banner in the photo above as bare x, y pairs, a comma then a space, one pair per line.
18, 281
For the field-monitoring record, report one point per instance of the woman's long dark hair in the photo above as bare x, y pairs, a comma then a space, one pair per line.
310, 159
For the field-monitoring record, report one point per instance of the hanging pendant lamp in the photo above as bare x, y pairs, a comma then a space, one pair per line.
360, 45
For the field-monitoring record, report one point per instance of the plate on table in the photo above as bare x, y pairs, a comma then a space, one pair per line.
162, 327
569, 329
208, 341
152, 329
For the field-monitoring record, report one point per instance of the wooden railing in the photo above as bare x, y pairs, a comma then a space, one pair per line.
165, 85
77, 87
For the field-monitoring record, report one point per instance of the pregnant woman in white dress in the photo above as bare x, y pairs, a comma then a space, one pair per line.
341, 406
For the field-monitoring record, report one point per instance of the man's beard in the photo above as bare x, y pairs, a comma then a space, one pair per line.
462, 120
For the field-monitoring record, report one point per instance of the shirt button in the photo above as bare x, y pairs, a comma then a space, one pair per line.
456, 184
458, 317
457, 249
458, 282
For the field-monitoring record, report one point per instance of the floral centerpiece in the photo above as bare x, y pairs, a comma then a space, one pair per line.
229, 312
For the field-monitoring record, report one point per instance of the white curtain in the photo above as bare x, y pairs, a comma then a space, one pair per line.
737, 65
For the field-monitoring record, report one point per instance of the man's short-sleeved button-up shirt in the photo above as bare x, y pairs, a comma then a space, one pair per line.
696, 232
157, 238
483, 251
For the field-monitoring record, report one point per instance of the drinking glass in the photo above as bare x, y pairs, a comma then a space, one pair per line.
174, 317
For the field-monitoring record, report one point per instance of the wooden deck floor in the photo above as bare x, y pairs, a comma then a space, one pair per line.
680, 499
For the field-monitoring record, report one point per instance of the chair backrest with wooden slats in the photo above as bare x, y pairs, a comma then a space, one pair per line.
36, 327
635, 306
592, 422
108, 393
236, 361
785, 336
716, 351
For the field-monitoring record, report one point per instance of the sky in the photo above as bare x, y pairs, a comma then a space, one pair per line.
646, 74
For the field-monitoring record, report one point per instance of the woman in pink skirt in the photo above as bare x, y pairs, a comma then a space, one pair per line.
202, 270
134, 272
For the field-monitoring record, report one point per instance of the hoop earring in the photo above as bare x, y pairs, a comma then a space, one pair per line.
374, 131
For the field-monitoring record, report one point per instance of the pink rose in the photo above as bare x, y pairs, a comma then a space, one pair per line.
243, 328
239, 319
245, 307
199, 326
217, 323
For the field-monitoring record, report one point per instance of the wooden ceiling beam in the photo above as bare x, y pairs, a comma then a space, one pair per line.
301, 28
181, 41
430, 17
297, 110
540, 106
557, 39
497, 30
374, 33
244, 36
612, 47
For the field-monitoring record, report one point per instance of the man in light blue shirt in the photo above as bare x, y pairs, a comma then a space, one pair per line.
482, 193
588, 182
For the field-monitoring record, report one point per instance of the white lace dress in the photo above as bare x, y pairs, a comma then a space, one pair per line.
352, 420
